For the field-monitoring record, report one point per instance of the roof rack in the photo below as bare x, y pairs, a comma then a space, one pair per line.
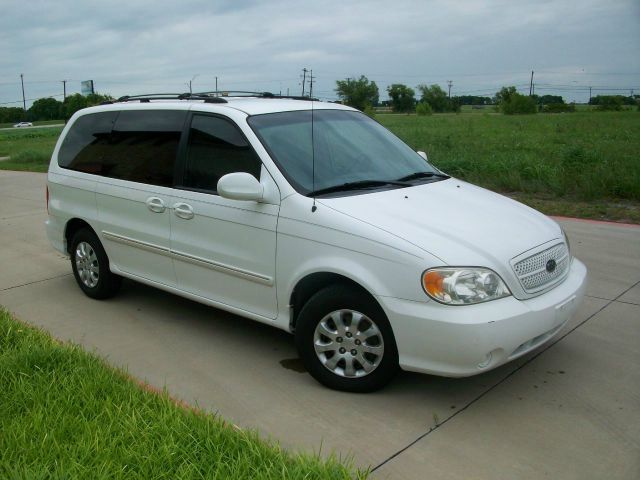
171, 96
244, 93
207, 97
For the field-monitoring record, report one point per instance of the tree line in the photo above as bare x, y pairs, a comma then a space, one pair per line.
364, 95
52, 109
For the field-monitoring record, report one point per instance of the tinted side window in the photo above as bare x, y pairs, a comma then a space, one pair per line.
85, 145
216, 147
143, 146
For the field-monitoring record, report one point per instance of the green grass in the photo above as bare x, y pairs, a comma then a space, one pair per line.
65, 414
583, 155
28, 149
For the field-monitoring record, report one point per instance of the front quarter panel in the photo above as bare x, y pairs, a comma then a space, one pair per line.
325, 240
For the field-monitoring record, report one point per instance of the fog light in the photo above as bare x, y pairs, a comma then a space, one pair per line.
487, 360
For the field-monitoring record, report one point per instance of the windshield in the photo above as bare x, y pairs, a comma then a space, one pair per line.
350, 148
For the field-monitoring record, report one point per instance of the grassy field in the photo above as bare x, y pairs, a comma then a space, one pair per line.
65, 414
28, 148
584, 164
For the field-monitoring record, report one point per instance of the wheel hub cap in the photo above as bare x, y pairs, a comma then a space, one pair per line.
348, 343
87, 264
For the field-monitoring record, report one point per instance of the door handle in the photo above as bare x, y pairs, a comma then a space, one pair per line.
183, 210
156, 204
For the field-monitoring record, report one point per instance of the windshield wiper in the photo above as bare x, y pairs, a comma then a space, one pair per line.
416, 175
356, 186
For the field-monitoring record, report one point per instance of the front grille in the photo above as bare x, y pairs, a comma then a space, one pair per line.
532, 271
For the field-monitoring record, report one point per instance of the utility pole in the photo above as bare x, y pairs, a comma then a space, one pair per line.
304, 79
450, 83
531, 84
24, 102
311, 77
216, 85
64, 90
590, 94
191, 81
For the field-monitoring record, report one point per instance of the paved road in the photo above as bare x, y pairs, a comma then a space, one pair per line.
35, 126
569, 411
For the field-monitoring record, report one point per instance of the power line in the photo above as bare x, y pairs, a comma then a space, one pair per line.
31, 99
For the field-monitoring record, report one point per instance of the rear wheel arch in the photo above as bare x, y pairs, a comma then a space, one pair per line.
73, 226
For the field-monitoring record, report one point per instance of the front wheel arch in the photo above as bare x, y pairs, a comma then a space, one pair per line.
315, 353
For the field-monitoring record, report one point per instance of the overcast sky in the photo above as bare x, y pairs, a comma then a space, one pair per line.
143, 46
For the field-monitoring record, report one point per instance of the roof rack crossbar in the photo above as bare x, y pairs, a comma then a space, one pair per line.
244, 93
209, 97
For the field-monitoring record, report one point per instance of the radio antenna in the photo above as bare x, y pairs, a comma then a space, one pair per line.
313, 161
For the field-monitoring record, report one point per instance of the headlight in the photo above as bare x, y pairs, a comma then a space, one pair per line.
463, 286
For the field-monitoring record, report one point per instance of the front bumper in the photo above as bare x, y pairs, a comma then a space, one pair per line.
459, 341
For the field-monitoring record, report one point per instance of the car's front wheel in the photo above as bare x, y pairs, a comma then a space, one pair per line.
90, 266
345, 340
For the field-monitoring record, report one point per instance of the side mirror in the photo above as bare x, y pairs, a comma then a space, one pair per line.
240, 186
423, 155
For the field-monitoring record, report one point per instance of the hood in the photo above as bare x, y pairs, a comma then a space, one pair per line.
457, 222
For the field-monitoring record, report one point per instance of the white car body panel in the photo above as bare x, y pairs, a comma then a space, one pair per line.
226, 252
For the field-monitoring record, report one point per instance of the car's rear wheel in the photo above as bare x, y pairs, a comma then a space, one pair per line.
345, 340
90, 266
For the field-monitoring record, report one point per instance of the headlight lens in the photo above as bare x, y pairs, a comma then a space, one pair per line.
463, 286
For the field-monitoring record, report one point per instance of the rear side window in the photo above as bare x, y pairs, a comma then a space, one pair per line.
86, 143
139, 146
216, 147
143, 146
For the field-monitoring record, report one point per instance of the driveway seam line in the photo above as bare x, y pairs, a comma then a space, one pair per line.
500, 382
35, 281
610, 300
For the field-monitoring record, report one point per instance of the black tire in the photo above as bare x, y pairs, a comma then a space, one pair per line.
107, 283
346, 302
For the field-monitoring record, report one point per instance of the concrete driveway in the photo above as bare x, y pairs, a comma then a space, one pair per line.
571, 410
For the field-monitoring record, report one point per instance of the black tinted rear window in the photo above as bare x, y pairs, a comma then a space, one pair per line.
139, 146
86, 143
144, 145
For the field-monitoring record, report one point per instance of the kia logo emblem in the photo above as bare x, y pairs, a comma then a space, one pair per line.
551, 265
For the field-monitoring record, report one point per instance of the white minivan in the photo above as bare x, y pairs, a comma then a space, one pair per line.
313, 218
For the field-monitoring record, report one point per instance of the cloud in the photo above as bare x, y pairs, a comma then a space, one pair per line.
133, 47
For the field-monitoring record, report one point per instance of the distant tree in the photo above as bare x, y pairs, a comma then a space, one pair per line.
549, 99
403, 98
76, 102
608, 102
358, 93
504, 95
46, 109
472, 100
559, 108
73, 103
12, 114
436, 97
509, 102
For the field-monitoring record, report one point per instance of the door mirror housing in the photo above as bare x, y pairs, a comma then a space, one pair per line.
240, 186
423, 155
